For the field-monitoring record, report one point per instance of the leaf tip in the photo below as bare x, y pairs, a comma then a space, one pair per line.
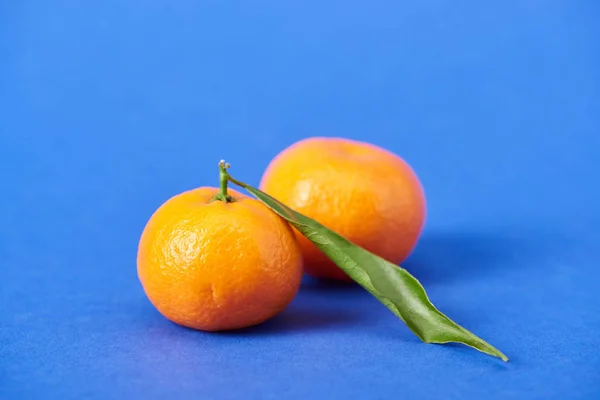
499, 354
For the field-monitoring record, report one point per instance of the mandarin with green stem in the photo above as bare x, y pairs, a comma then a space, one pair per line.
214, 259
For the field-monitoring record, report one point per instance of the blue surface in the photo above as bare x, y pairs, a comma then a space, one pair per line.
109, 108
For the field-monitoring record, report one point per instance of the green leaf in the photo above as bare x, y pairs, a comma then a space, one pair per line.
395, 287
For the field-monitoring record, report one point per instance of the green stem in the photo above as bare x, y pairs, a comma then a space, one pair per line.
223, 180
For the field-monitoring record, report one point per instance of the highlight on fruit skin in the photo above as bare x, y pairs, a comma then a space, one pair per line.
215, 259
366, 193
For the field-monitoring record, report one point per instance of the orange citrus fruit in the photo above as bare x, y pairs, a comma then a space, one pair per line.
213, 265
365, 193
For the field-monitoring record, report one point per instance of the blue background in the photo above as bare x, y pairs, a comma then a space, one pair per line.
109, 108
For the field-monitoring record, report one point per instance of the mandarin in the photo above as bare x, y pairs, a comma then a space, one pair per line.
365, 193
213, 264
